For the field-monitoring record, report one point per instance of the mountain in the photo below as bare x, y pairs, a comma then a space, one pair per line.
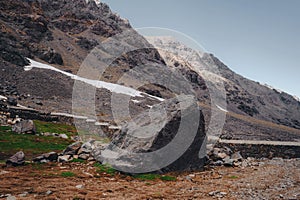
253, 110
54, 40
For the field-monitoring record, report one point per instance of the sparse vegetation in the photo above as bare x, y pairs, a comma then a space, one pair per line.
67, 174
31, 145
168, 178
146, 177
78, 160
104, 168
43, 127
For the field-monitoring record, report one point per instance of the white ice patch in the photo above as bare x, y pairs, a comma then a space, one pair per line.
297, 98
222, 109
99, 84
135, 101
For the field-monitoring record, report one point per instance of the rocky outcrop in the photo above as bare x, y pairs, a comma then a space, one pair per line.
170, 137
16, 160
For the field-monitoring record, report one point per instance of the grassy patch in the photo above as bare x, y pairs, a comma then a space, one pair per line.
151, 177
50, 127
147, 177
31, 145
67, 174
104, 169
78, 160
168, 178
233, 177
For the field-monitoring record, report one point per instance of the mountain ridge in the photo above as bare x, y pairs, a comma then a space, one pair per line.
62, 34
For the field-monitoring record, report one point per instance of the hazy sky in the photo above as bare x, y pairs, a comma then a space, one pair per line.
258, 39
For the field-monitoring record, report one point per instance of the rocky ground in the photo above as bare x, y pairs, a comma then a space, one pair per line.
260, 179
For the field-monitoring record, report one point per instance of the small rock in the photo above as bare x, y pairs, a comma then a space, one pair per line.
218, 163
39, 103
24, 194
72, 149
49, 192
188, 178
64, 158
237, 156
84, 156
222, 155
87, 147
47, 157
3, 172
63, 136
228, 161
25, 126
16, 160
79, 186
9, 197
217, 194
237, 164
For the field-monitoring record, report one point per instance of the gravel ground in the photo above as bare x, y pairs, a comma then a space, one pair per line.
260, 179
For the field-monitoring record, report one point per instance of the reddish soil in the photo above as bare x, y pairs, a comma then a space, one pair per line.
267, 179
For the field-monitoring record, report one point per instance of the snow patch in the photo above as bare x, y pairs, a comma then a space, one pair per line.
68, 115
272, 88
135, 101
99, 84
280, 91
296, 98
222, 109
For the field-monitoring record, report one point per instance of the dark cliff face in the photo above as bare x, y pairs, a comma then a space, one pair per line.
33, 28
59, 32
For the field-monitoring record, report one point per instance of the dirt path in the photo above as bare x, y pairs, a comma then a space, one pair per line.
268, 179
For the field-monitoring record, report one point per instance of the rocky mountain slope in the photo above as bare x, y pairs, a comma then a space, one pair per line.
62, 34
253, 110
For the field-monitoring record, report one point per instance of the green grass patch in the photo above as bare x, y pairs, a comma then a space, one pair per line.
104, 168
50, 127
233, 177
78, 160
146, 177
168, 178
31, 145
151, 177
67, 174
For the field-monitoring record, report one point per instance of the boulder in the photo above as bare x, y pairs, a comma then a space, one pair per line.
47, 157
169, 137
72, 149
237, 157
64, 158
25, 126
16, 160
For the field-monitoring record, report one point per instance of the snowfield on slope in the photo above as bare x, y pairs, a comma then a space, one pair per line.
98, 84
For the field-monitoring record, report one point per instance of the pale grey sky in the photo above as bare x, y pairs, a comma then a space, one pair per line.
258, 39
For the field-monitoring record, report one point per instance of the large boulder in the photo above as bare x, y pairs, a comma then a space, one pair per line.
16, 160
169, 137
25, 126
